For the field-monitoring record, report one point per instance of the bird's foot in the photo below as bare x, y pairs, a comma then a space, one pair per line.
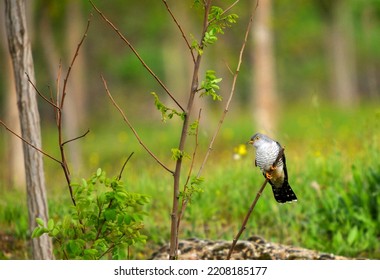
268, 175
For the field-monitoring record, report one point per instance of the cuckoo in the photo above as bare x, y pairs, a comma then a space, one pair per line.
267, 151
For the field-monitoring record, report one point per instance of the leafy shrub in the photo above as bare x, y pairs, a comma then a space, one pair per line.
106, 220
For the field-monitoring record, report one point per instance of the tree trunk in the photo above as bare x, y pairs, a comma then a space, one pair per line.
341, 45
13, 168
20, 51
15, 156
265, 99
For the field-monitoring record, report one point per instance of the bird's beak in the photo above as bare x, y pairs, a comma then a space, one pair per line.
250, 142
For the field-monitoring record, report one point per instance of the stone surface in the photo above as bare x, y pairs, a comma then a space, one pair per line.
255, 248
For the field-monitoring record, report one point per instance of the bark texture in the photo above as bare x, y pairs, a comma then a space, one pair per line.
20, 51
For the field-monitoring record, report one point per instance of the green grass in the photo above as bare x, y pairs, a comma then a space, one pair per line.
333, 164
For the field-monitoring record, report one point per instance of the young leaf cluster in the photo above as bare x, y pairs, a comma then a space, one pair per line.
194, 187
177, 154
166, 113
193, 127
106, 220
210, 85
218, 21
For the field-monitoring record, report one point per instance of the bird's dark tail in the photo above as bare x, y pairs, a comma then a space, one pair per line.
284, 193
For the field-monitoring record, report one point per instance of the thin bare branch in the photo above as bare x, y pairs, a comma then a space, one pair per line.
231, 93
180, 29
132, 128
76, 138
58, 80
40, 94
29, 144
228, 67
230, 7
72, 63
122, 37
125, 163
243, 226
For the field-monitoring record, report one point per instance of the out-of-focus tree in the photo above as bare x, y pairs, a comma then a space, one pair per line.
264, 94
368, 22
15, 171
13, 166
21, 54
341, 49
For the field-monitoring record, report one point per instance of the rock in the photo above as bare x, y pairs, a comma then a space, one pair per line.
255, 248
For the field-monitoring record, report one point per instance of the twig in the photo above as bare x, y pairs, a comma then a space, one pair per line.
57, 112
125, 163
230, 96
228, 67
76, 138
28, 143
243, 226
138, 56
181, 30
40, 94
132, 128
72, 63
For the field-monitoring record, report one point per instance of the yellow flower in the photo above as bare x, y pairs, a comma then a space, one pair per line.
240, 151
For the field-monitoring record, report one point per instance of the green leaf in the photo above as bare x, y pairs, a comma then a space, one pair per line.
193, 127
352, 235
66, 222
90, 252
40, 222
55, 232
84, 183
98, 172
37, 232
121, 196
74, 247
50, 224
110, 214
176, 154
209, 85
166, 112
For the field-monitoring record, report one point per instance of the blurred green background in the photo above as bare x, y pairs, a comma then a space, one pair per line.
323, 103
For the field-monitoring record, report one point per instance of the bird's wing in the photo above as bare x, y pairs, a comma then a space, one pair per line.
284, 168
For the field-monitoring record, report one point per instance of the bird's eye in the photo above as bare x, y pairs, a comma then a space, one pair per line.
257, 138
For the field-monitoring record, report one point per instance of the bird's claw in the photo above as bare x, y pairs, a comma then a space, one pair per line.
268, 175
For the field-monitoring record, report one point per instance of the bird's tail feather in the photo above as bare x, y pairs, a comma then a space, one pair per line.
284, 193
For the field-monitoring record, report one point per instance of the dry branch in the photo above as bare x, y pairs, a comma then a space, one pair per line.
72, 63
180, 29
122, 37
132, 128
29, 144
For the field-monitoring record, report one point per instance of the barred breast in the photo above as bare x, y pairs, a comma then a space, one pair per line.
266, 155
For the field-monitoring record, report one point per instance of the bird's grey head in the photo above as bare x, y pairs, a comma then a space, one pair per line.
258, 139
